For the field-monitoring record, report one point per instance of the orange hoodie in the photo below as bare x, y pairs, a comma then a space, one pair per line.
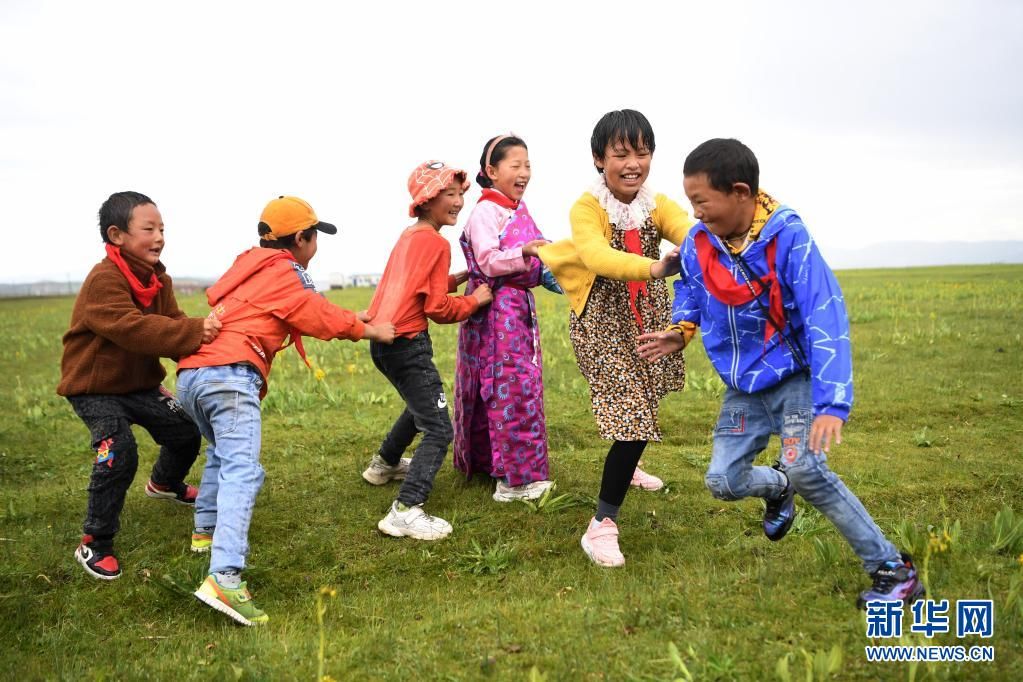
415, 285
265, 296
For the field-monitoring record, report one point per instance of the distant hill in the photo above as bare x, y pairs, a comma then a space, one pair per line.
915, 254
888, 255
183, 286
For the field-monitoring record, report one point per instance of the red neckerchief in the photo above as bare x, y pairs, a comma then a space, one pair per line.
636, 289
144, 295
498, 198
724, 288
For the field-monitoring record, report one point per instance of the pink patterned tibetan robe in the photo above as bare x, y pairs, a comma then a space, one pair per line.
499, 420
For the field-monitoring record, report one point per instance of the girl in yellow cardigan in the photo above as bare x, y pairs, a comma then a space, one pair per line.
613, 274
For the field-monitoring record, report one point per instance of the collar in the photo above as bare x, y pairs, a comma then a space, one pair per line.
631, 216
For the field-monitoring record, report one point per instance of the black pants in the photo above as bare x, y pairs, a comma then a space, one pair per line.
109, 418
408, 365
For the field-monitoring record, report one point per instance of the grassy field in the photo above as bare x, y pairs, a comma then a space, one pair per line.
933, 449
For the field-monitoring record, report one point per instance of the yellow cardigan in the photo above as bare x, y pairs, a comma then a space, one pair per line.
576, 262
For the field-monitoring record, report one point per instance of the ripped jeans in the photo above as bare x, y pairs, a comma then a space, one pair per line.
744, 428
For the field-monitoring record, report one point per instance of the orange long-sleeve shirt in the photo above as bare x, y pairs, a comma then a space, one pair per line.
415, 285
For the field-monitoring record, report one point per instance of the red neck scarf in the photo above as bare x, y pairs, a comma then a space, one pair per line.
637, 290
498, 198
725, 288
143, 294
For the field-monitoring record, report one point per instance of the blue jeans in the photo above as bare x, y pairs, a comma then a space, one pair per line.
744, 427
224, 402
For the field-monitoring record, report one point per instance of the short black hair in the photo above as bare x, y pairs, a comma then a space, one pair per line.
619, 127
285, 242
116, 211
496, 156
725, 162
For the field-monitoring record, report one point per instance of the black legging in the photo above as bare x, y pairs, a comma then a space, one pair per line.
619, 466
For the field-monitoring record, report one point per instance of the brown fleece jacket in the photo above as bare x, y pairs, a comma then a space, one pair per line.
113, 345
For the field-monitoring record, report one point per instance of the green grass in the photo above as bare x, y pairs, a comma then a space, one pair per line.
934, 445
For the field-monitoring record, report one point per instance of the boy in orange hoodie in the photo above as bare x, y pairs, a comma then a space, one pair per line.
414, 289
264, 297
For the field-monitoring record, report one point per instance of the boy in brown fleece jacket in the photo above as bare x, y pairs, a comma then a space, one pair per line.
124, 320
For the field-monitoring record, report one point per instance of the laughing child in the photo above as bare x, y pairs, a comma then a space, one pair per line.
124, 320
500, 429
775, 328
413, 290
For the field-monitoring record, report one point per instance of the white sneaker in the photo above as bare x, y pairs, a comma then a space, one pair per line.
413, 523
526, 491
379, 472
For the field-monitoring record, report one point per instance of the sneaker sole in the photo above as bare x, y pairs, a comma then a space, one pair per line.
396, 532
511, 497
80, 559
169, 497
643, 487
200, 550
589, 553
218, 605
917, 593
374, 478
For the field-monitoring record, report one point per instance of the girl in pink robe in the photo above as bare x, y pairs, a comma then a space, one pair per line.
499, 420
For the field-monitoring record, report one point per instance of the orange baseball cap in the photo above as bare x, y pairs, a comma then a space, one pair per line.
288, 215
429, 179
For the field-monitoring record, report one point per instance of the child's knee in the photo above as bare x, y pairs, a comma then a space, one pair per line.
116, 449
719, 487
807, 472
445, 431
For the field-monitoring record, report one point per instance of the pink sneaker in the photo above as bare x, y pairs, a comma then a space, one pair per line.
600, 542
642, 479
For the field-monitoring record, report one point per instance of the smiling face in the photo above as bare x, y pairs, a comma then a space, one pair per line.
144, 238
444, 208
511, 174
625, 168
726, 214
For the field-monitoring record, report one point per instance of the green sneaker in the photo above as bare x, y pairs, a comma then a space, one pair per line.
234, 602
201, 541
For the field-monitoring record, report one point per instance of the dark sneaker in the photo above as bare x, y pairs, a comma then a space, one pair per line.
99, 562
181, 493
780, 513
893, 581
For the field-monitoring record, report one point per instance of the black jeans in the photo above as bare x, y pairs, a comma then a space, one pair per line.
109, 418
408, 365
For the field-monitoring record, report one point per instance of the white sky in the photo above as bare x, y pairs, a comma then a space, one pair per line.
875, 120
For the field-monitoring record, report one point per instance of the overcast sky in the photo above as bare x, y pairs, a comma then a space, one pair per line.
875, 120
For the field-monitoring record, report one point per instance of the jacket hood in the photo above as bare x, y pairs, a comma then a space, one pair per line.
245, 266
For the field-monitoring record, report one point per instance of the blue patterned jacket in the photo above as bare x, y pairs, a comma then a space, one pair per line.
814, 306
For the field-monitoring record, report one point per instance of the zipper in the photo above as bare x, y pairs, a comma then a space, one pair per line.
732, 328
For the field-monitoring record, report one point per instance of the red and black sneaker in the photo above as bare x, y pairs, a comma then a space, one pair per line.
99, 562
182, 493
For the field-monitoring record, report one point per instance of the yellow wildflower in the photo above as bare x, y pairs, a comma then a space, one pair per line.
319, 373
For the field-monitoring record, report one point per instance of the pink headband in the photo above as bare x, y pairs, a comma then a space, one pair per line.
490, 149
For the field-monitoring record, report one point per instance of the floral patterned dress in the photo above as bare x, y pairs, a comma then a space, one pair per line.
625, 390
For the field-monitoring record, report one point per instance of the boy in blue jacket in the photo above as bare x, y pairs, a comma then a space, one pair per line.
775, 328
